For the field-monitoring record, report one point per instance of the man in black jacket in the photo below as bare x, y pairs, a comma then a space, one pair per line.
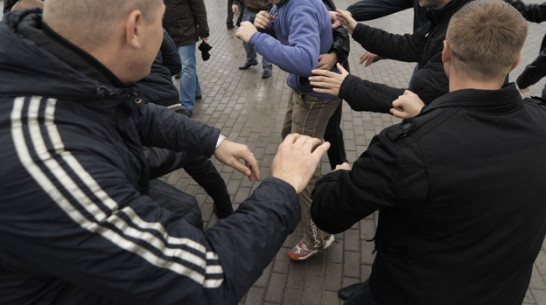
424, 46
459, 188
79, 222
537, 69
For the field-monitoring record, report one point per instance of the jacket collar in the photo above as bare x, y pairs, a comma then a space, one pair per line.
435, 16
505, 99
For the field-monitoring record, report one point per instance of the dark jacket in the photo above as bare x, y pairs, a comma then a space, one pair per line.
342, 42
75, 222
537, 69
186, 21
460, 193
365, 10
255, 6
158, 87
424, 46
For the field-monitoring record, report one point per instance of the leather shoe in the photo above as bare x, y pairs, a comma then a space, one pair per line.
345, 292
266, 74
247, 65
185, 112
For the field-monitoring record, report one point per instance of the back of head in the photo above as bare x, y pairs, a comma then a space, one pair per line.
91, 21
24, 4
485, 38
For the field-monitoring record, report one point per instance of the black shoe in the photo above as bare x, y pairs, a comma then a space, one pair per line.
185, 112
230, 26
198, 97
247, 65
266, 74
345, 292
224, 211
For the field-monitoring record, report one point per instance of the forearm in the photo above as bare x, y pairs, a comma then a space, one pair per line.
259, 227
162, 127
297, 59
365, 10
363, 95
407, 47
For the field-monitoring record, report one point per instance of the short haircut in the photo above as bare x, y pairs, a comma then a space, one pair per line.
485, 38
94, 19
24, 4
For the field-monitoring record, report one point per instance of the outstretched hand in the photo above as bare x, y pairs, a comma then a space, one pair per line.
407, 106
230, 152
369, 58
346, 19
297, 159
328, 82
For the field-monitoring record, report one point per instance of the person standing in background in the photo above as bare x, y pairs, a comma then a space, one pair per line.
186, 23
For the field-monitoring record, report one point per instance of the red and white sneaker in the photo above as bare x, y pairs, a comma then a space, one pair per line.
300, 251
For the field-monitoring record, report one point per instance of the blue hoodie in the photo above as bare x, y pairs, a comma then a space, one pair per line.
299, 33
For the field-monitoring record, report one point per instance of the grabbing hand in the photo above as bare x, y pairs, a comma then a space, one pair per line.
346, 19
245, 31
369, 58
333, 18
325, 81
230, 152
327, 61
296, 161
262, 20
407, 106
343, 166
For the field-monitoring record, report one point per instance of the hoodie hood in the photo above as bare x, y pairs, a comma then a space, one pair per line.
30, 63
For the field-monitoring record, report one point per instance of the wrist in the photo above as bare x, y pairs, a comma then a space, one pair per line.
221, 139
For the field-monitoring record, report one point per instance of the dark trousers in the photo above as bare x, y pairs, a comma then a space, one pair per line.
176, 201
334, 135
229, 20
163, 161
362, 296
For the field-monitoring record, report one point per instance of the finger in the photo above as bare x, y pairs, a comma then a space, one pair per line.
291, 138
341, 69
252, 164
325, 91
321, 72
407, 92
321, 149
398, 113
323, 85
312, 141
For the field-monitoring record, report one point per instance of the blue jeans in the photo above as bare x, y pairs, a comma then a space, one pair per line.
189, 82
251, 55
362, 296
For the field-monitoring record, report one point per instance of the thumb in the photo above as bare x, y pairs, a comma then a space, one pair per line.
321, 149
407, 92
341, 69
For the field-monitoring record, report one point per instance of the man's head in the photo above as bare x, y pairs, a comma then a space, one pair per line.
124, 35
24, 4
484, 40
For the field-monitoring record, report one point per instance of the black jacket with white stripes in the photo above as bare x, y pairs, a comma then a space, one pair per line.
75, 223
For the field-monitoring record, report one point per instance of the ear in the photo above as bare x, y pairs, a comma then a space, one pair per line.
516, 63
133, 32
446, 57
446, 53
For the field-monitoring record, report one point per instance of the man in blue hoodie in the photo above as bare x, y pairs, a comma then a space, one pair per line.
292, 36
